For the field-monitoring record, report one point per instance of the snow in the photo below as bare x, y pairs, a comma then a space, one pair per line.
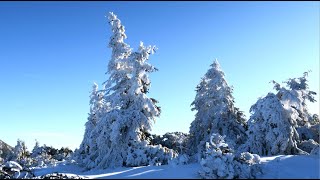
273, 167
291, 166
13, 164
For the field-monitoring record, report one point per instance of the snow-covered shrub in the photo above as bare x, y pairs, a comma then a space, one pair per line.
181, 159
216, 113
247, 165
63, 154
13, 166
43, 156
221, 163
21, 154
172, 140
60, 176
308, 146
309, 131
13, 170
146, 154
315, 151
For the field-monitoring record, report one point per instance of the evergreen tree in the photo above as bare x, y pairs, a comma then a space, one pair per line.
21, 154
97, 110
20, 151
215, 113
37, 150
296, 95
272, 128
120, 132
280, 123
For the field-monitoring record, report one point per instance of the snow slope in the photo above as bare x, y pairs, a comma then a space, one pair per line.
290, 166
273, 167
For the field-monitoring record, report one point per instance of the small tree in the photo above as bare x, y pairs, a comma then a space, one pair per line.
272, 128
21, 154
296, 95
98, 108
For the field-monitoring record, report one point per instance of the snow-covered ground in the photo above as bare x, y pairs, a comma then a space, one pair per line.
288, 167
307, 167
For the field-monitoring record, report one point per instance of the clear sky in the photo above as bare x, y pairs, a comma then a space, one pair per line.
52, 52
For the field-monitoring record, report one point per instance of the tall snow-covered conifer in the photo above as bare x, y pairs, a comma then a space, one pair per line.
215, 112
120, 132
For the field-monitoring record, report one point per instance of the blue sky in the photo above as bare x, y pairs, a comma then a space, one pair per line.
52, 52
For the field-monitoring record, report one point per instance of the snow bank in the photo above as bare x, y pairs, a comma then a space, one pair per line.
291, 166
274, 167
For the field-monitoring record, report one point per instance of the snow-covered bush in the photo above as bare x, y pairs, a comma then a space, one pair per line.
316, 150
48, 156
181, 159
144, 154
308, 146
216, 113
309, 131
21, 154
221, 163
13, 170
13, 166
60, 176
172, 140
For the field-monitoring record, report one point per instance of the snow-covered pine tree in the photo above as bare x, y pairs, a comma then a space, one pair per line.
37, 150
98, 108
141, 112
281, 124
271, 128
40, 156
19, 151
21, 154
215, 113
294, 97
120, 132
